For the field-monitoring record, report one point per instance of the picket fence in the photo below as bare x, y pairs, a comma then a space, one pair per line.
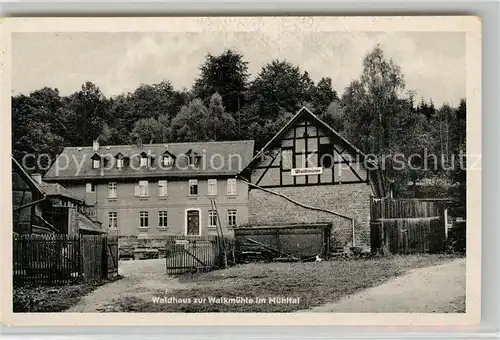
53, 259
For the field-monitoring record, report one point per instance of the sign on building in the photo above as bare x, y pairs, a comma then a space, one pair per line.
307, 171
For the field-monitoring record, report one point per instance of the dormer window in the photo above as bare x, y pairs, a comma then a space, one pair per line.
193, 158
167, 159
119, 161
96, 161
144, 159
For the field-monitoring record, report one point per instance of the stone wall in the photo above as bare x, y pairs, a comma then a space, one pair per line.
352, 200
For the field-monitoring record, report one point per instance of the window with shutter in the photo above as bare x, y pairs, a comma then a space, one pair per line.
143, 188
162, 188
212, 187
231, 186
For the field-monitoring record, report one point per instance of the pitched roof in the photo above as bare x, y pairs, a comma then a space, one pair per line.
302, 112
218, 158
55, 189
305, 111
23, 175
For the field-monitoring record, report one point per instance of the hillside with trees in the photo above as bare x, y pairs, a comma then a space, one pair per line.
376, 112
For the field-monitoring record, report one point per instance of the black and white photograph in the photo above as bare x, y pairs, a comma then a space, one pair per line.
243, 165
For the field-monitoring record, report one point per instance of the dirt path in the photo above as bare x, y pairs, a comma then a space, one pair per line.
432, 289
140, 279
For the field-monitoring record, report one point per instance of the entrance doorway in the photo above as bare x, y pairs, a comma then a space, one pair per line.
193, 225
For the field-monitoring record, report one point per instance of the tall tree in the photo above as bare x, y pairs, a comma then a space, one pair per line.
192, 123
333, 115
87, 111
280, 86
323, 95
221, 125
37, 126
372, 102
151, 101
427, 109
225, 74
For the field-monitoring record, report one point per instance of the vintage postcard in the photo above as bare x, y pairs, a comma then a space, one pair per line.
278, 170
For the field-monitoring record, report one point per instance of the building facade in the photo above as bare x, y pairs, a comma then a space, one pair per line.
308, 173
148, 191
48, 208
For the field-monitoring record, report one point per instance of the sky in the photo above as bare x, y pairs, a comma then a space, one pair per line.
433, 63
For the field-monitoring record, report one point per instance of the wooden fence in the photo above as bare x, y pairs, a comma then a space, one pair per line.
407, 226
284, 242
197, 253
53, 259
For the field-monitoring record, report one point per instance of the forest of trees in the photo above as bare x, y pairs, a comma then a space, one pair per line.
376, 112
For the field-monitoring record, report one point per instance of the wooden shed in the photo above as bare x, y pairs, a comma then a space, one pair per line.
285, 242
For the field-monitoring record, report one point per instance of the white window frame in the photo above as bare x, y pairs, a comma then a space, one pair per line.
113, 216
143, 188
167, 161
212, 187
162, 217
231, 185
96, 163
144, 161
193, 182
119, 163
112, 190
89, 188
186, 221
163, 188
212, 214
143, 215
232, 213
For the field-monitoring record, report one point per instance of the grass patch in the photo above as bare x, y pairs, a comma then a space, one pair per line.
51, 299
312, 284
455, 306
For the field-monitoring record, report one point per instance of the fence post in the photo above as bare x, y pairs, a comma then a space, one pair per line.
445, 223
104, 252
79, 254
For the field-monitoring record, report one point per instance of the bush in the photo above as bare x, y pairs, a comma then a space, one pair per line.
457, 238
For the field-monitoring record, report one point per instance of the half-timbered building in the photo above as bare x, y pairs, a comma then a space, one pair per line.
308, 173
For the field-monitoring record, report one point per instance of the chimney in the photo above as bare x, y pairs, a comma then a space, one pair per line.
139, 142
95, 145
37, 177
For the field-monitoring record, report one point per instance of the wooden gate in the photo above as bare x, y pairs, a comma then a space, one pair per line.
112, 256
192, 253
402, 226
92, 257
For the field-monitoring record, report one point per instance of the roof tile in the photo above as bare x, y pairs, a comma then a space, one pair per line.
218, 158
